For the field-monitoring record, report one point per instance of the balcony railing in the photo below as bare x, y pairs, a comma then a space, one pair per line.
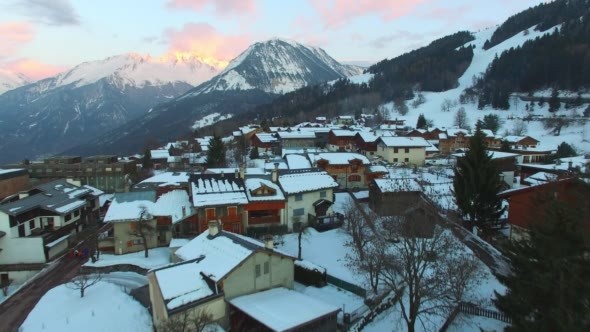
264, 220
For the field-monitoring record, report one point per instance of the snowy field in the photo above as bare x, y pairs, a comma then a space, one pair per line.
157, 257
105, 307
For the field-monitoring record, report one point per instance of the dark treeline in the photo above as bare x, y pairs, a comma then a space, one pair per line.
559, 60
543, 16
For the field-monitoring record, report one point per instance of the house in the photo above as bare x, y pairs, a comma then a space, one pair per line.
297, 139
219, 197
308, 194
266, 205
409, 150
527, 205
506, 164
365, 143
521, 142
347, 168
13, 181
344, 120
164, 182
35, 226
453, 140
562, 167
389, 197
160, 158
266, 143
128, 211
341, 140
234, 278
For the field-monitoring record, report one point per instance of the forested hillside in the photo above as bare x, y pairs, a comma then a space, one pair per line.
560, 60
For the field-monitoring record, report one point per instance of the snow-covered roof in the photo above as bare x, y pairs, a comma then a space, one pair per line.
217, 190
282, 309
540, 177
12, 170
286, 151
178, 242
343, 133
492, 154
377, 169
266, 137
175, 204
182, 284
297, 161
160, 154
403, 142
338, 158
452, 132
515, 139
397, 185
95, 191
367, 137
128, 206
253, 184
168, 178
307, 181
296, 134
563, 164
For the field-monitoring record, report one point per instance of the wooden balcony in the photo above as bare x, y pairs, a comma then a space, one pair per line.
264, 220
225, 219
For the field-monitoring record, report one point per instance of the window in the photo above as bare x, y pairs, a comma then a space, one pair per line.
137, 242
257, 270
232, 211
76, 213
68, 217
266, 267
395, 160
298, 212
407, 160
407, 150
354, 178
298, 197
32, 223
323, 194
210, 213
21, 230
395, 150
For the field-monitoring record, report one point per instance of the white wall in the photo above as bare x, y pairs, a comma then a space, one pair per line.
21, 250
416, 156
307, 201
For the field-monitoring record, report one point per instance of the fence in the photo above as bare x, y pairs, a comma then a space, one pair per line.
347, 286
472, 309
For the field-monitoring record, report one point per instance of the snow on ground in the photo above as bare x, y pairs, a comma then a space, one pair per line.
104, 307
210, 119
127, 280
476, 323
157, 257
577, 134
327, 249
342, 202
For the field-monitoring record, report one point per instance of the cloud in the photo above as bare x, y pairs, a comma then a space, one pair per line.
33, 68
221, 7
205, 41
13, 35
52, 12
387, 40
335, 13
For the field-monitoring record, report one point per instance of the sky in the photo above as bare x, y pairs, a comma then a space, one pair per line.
43, 37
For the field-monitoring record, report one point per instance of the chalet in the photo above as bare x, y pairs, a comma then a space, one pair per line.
390, 197
297, 139
453, 140
266, 204
160, 158
409, 150
321, 119
35, 226
345, 120
266, 143
235, 279
427, 134
527, 205
129, 210
13, 181
521, 142
246, 132
308, 194
347, 168
365, 143
219, 197
321, 135
341, 140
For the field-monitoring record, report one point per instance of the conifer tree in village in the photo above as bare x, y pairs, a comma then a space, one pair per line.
216, 152
548, 287
422, 123
147, 162
476, 185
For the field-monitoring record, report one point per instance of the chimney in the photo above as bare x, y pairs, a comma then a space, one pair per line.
275, 173
570, 164
242, 171
268, 242
222, 175
237, 173
213, 228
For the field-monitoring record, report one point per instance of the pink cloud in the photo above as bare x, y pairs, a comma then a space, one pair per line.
221, 7
335, 13
33, 68
13, 35
205, 41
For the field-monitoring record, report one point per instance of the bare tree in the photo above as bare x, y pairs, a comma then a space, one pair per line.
84, 281
461, 119
446, 105
302, 231
143, 228
186, 322
519, 128
556, 124
425, 270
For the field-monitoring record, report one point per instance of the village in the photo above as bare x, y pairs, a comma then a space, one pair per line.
268, 239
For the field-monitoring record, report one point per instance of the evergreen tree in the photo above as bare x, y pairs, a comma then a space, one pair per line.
147, 162
491, 122
476, 185
554, 103
422, 123
254, 153
548, 288
505, 147
565, 150
216, 152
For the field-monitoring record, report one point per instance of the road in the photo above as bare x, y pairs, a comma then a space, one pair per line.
14, 310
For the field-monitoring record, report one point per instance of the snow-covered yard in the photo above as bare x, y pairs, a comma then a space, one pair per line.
347, 301
105, 307
157, 257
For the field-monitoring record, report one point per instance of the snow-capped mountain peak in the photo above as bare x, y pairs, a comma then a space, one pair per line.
277, 66
11, 80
